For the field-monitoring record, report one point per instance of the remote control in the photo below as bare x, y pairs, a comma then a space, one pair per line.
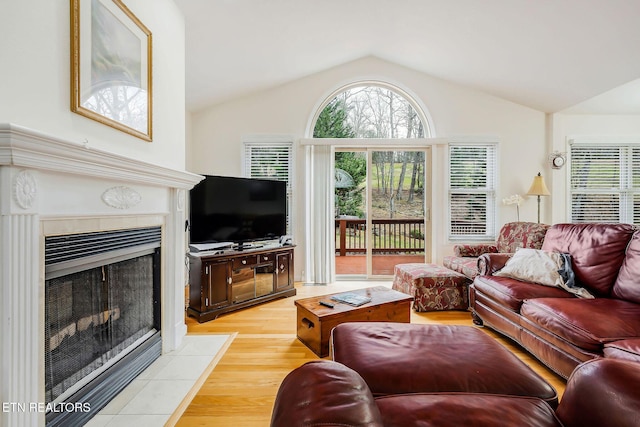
326, 304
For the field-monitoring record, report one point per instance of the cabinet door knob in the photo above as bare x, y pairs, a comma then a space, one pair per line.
244, 261
229, 280
265, 257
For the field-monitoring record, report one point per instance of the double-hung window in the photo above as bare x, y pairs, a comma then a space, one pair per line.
605, 182
472, 191
271, 160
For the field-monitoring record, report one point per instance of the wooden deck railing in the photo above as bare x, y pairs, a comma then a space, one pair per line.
389, 236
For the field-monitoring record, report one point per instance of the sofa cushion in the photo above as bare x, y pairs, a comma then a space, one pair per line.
597, 251
585, 323
512, 292
623, 349
627, 284
465, 409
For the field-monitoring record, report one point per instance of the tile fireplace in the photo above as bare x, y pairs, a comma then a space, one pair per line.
68, 320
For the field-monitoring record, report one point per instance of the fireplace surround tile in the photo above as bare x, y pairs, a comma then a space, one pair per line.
121, 400
152, 399
184, 367
158, 397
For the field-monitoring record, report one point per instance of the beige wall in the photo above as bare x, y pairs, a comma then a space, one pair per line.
606, 127
35, 92
456, 112
35, 79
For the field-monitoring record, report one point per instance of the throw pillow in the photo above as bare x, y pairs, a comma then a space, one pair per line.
544, 268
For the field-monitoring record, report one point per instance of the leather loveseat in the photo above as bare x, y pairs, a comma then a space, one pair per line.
554, 325
600, 393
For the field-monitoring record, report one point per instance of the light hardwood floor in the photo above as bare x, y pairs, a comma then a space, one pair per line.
241, 390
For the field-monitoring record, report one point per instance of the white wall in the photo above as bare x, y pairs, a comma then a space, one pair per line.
567, 126
35, 79
456, 111
35, 93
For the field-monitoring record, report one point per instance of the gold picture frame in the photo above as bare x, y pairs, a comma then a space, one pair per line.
111, 77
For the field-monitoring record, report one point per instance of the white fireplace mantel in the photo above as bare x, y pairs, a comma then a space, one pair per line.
53, 186
26, 148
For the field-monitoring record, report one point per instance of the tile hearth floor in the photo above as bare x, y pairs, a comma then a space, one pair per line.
166, 386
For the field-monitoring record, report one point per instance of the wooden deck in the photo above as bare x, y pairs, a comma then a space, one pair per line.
382, 264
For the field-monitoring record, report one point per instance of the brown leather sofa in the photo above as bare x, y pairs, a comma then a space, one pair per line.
558, 328
599, 393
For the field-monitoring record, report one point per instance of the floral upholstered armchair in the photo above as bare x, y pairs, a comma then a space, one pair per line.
512, 235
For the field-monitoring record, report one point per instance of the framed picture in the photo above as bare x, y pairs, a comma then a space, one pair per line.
111, 66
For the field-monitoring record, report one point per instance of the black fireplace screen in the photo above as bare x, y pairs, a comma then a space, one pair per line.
92, 316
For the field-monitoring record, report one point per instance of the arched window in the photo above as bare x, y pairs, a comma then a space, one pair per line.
379, 183
370, 111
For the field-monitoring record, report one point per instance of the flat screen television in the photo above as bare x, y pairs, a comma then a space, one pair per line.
237, 210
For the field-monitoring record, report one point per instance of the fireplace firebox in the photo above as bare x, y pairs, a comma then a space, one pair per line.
102, 316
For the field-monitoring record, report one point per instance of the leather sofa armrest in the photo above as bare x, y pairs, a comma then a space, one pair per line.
490, 263
602, 392
324, 393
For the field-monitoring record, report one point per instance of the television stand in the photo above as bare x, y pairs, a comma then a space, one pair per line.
235, 279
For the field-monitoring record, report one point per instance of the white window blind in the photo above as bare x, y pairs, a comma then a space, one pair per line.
472, 195
271, 160
605, 183
268, 160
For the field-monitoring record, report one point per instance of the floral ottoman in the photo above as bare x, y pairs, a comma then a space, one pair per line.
434, 288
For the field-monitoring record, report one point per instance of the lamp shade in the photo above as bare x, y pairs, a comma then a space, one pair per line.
538, 187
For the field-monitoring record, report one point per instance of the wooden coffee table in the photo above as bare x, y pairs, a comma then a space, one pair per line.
315, 321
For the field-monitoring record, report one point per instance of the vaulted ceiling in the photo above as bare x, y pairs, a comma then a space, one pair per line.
549, 55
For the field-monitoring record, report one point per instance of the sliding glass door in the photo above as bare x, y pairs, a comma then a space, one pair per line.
381, 216
397, 210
